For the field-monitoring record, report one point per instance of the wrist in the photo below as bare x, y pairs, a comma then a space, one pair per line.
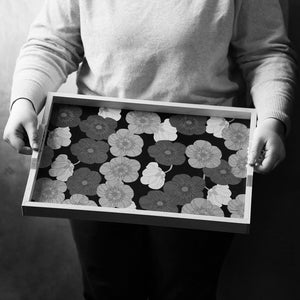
24, 103
275, 125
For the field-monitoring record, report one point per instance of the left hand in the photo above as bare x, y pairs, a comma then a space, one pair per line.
268, 148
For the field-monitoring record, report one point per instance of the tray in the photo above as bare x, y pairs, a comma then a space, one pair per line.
142, 162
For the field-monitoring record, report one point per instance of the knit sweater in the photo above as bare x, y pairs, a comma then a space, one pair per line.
194, 51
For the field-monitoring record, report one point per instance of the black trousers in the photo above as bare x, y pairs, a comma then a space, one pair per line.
124, 261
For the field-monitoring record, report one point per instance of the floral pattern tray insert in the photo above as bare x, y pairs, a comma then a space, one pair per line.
143, 160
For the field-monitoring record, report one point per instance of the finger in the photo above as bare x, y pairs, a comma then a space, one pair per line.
270, 161
255, 151
17, 142
32, 135
26, 150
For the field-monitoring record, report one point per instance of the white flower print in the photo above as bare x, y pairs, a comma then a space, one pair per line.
153, 176
61, 168
112, 113
165, 131
215, 126
219, 195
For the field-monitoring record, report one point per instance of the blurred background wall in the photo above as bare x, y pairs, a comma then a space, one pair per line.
37, 255
265, 264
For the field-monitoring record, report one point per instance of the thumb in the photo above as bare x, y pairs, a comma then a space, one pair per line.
17, 142
255, 151
32, 133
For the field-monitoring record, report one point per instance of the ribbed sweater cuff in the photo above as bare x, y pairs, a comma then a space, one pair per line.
281, 116
30, 90
274, 100
32, 86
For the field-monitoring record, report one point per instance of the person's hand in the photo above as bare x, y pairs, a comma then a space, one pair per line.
268, 148
21, 128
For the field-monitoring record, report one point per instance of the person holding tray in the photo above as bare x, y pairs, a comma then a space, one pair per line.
217, 52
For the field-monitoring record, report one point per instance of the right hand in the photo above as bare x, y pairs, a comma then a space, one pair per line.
21, 128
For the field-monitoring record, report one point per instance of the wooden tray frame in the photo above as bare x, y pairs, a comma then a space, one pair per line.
169, 219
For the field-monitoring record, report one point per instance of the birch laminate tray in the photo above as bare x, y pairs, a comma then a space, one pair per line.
142, 162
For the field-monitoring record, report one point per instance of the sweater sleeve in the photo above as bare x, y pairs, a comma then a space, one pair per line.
53, 50
263, 52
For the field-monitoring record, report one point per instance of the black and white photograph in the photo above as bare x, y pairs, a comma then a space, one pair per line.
149, 149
